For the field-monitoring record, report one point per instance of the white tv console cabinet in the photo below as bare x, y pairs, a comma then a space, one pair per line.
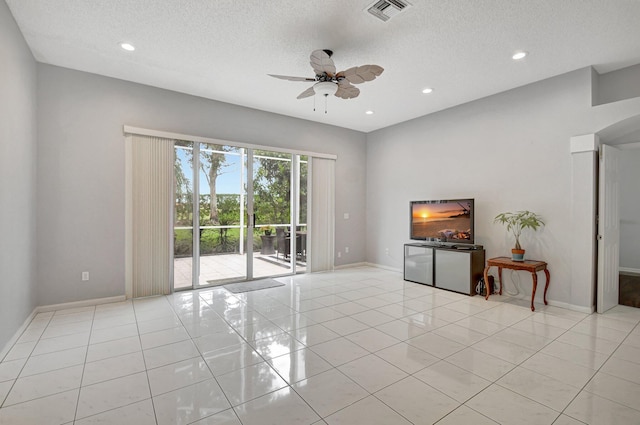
452, 267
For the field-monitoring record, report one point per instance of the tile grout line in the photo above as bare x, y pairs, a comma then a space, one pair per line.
144, 360
25, 362
580, 390
84, 365
637, 326
213, 376
291, 334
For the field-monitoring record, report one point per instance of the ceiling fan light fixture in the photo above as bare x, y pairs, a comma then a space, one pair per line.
427, 90
329, 82
325, 88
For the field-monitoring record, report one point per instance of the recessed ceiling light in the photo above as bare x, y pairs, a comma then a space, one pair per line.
427, 90
127, 46
519, 55
369, 112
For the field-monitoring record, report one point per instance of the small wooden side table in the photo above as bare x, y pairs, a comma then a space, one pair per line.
528, 265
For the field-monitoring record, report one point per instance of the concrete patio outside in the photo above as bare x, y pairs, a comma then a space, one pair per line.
226, 268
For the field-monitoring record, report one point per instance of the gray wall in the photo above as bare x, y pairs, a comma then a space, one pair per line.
618, 85
509, 152
630, 209
17, 177
81, 170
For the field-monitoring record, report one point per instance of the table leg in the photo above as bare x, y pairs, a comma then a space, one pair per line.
500, 279
546, 272
486, 282
533, 292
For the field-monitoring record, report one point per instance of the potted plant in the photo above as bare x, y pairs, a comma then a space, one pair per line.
516, 222
267, 230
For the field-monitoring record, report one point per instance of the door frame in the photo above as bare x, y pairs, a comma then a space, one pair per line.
247, 163
129, 130
608, 264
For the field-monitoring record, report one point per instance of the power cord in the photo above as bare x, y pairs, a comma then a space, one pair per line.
479, 286
515, 279
516, 284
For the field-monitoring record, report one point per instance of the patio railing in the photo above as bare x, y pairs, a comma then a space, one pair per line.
221, 239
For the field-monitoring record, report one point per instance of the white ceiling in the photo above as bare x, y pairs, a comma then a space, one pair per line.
224, 49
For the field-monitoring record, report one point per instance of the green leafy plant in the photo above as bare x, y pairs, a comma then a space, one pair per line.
517, 221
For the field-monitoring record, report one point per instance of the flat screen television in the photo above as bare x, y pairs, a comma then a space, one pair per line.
449, 221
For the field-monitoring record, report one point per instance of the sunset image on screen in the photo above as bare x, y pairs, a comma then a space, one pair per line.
446, 221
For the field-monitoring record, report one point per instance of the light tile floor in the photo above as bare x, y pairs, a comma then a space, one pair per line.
357, 346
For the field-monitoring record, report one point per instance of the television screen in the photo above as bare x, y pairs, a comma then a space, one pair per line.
442, 221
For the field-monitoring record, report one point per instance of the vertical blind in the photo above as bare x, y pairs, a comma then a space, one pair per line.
150, 171
152, 191
322, 214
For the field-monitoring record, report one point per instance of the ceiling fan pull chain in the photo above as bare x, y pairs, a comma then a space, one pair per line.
314, 103
325, 103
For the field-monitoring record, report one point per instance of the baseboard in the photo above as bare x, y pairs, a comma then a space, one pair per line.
560, 304
367, 264
350, 266
572, 307
381, 266
629, 270
53, 307
16, 336
567, 306
77, 304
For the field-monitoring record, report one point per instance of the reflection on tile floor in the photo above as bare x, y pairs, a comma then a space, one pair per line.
357, 346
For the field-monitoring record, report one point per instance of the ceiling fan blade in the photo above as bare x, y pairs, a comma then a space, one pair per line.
308, 92
347, 91
288, 78
322, 63
360, 74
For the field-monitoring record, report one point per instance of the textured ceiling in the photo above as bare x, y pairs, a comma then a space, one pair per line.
224, 49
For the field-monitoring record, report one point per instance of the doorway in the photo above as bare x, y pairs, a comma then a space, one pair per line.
629, 275
231, 203
625, 136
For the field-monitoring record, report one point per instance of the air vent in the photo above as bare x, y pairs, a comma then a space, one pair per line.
387, 9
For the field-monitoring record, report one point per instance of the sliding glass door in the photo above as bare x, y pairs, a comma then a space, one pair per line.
221, 205
272, 211
183, 215
229, 227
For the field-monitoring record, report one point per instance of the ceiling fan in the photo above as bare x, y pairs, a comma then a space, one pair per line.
328, 81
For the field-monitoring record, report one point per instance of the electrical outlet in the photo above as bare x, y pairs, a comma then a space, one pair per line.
85, 276
346, 216
346, 249
386, 251
339, 254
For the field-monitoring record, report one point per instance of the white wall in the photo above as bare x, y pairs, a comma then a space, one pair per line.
509, 152
17, 178
81, 170
630, 209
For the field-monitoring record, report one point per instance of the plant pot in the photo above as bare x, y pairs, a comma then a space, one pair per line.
268, 247
517, 254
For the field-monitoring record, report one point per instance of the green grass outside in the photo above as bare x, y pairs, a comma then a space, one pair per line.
211, 242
